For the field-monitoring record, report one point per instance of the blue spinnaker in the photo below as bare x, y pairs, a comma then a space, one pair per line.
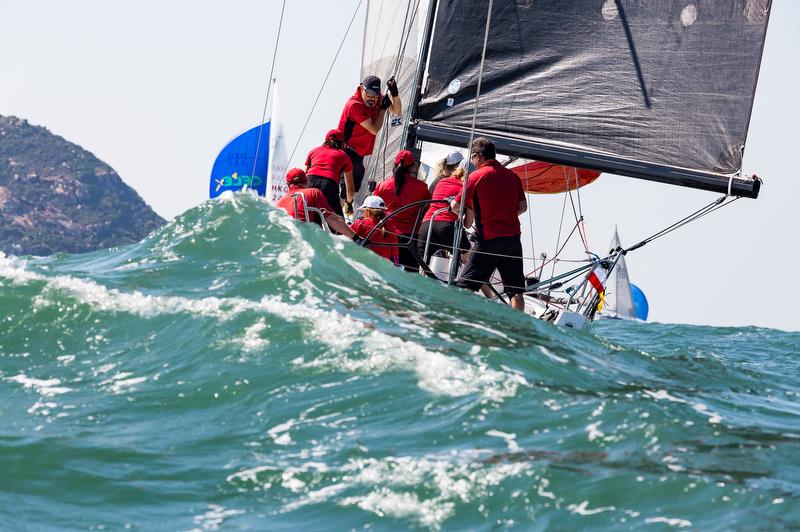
639, 302
233, 168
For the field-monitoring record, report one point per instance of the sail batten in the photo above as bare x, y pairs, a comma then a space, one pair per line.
660, 89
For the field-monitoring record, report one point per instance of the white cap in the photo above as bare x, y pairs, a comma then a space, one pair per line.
454, 157
373, 202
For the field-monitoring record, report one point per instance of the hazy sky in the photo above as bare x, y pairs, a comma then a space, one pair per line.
156, 89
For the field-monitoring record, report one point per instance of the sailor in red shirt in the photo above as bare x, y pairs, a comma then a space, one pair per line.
400, 189
325, 166
373, 210
496, 197
362, 119
293, 204
448, 183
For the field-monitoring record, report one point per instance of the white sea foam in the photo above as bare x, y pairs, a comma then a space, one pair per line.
663, 394
463, 481
583, 509
436, 372
593, 432
552, 355
713, 417
680, 523
280, 433
213, 518
252, 340
510, 439
121, 381
44, 387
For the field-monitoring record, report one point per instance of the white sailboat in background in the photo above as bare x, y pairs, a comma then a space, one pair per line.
623, 300
278, 154
636, 88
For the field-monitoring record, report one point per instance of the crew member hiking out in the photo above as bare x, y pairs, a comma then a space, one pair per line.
495, 195
362, 119
300, 196
399, 190
325, 166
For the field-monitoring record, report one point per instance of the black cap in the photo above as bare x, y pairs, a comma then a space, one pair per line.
372, 84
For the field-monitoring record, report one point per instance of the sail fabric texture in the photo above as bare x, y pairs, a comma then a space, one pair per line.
392, 47
233, 167
539, 177
666, 82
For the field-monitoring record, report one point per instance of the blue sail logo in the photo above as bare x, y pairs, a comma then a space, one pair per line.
236, 182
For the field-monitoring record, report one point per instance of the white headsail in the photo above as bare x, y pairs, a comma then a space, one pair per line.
278, 155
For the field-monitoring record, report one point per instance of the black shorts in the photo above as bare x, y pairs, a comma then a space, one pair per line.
358, 172
329, 189
503, 253
441, 238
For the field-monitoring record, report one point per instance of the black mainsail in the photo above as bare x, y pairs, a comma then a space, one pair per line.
654, 89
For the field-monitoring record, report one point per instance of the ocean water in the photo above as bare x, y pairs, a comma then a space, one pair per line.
237, 370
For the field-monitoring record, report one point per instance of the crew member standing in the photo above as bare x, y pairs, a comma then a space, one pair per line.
401, 189
496, 197
362, 119
325, 166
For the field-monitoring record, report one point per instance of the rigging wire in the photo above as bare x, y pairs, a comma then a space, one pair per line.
530, 213
558, 240
720, 202
404, 38
324, 81
580, 209
459, 228
269, 88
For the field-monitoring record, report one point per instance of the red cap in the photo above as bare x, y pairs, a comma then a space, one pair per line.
335, 134
404, 157
295, 175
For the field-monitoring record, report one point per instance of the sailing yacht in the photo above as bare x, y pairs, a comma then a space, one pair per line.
661, 91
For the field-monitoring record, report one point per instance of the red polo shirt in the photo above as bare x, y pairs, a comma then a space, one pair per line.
363, 226
314, 198
494, 192
324, 161
413, 190
446, 187
355, 112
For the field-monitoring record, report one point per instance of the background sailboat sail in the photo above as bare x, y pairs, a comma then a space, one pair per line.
658, 90
619, 299
540, 177
393, 43
233, 167
278, 157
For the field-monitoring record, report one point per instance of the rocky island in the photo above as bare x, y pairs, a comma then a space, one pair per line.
57, 197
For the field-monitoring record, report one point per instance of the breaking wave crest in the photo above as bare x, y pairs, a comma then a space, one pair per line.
238, 369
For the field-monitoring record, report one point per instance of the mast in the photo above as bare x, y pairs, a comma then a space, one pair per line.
409, 132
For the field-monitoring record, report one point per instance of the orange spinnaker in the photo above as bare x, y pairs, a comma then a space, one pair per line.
539, 177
